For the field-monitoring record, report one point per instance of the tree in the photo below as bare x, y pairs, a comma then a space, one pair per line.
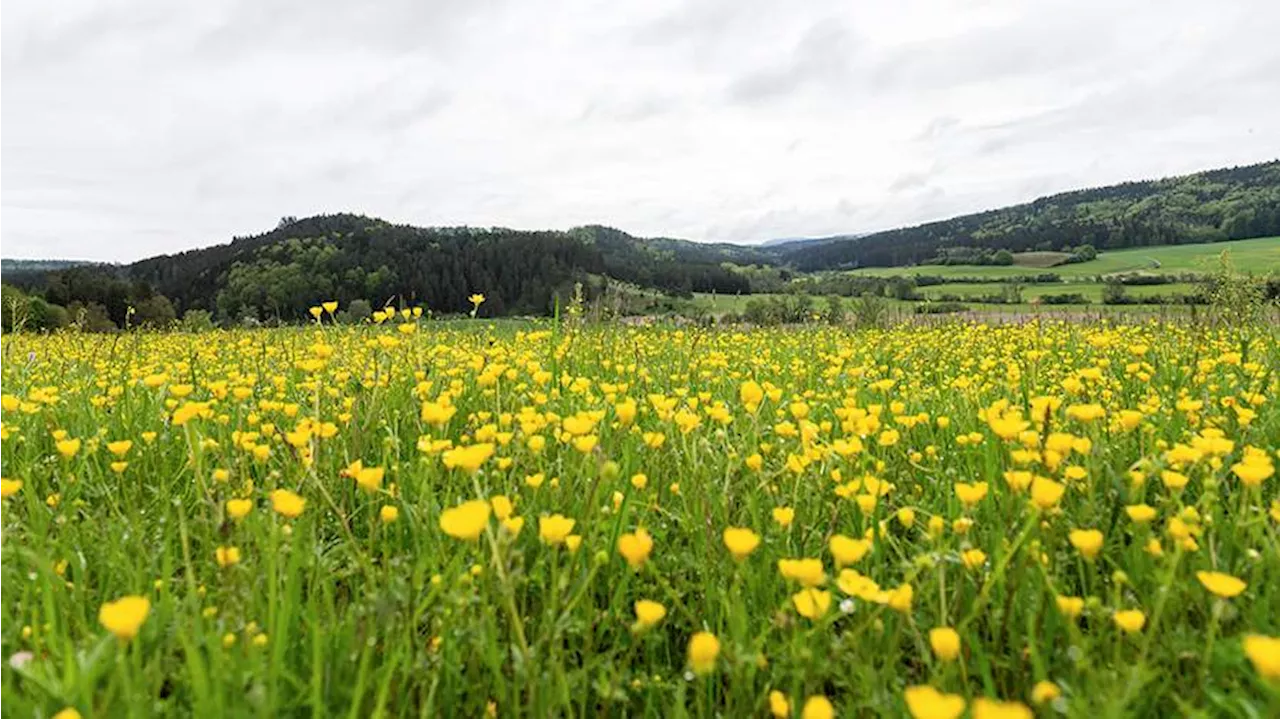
197, 320
156, 311
1114, 294
1003, 257
91, 317
356, 311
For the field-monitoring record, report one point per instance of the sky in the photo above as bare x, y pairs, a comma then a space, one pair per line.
130, 128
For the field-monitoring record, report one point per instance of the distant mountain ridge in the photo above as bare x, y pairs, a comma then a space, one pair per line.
1231, 203
15, 266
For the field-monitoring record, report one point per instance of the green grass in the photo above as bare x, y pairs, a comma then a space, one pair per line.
1258, 256
798, 434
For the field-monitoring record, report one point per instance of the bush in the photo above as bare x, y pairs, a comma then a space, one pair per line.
940, 308
197, 320
1066, 298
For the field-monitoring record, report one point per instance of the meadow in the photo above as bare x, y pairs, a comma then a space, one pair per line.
416, 518
1260, 255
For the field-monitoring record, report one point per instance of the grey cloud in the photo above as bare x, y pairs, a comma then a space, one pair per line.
908, 181
391, 27
636, 108
822, 56
938, 127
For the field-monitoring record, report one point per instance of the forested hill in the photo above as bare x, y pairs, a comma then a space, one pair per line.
12, 268
1233, 203
280, 273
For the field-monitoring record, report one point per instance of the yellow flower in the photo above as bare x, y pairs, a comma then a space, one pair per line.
1130, 620
554, 529
1086, 412
1046, 493
389, 513
1153, 547
906, 516
807, 572
287, 504
469, 459
635, 547
847, 550
862, 587
238, 508
68, 447
125, 616
476, 299
1140, 513
1045, 691
1252, 473
571, 542
704, 648
330, 306
899, 599
9, 487
437, 414
817, 707
812, 603
68, 713
1223, 585
1071, 607
1264, 652
502, 506
1087, 541
751, 394
784, 516
779, 705
369, 478
984, 708
925, 702
466, 521
119, 448
227, 556
648, 613
973, 558
971, 494
945, 642
741, 541
1173, 480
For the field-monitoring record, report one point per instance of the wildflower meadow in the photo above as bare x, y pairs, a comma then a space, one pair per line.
467, 518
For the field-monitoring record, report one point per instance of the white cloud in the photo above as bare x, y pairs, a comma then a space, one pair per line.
143, 126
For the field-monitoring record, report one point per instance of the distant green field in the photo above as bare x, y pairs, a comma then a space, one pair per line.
1040, 259
722, 304
1259, 255
1091, 290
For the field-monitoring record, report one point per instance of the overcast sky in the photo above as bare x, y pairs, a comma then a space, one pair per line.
148, 126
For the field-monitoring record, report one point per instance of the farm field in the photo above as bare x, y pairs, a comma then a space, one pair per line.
415, 518
1260, 255
1091, 291
900, 309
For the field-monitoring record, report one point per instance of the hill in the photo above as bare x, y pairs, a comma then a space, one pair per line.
1232, 203
282, 272
12, 268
